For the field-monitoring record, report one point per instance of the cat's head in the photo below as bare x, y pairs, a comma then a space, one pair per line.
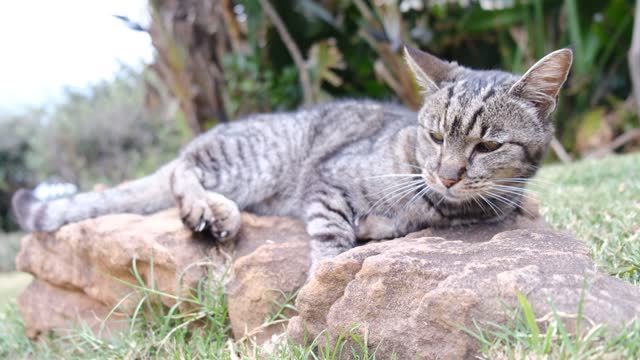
483, 131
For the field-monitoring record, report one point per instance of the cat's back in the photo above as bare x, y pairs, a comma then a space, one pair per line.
357, 113
318, 131
348, 122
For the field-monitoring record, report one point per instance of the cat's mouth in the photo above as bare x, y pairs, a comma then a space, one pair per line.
464, 191
456, 193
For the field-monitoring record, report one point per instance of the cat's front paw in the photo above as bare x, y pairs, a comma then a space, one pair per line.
214, 213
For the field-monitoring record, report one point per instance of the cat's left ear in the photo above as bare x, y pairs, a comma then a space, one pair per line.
541, 84
428, 70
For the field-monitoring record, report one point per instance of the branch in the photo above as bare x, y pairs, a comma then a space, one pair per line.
298, 59
560, 151
621, 140
634, 57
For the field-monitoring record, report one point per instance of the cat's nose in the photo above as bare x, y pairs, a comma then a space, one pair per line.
449, 182
451, 172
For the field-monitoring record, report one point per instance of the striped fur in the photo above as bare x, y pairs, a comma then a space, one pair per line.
353, 170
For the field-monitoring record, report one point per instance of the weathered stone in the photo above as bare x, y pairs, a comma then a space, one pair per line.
412, 295
80, 262
259, 280
46, 308
258, 277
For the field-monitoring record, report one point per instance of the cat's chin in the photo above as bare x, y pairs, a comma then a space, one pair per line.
456, 197
451, 197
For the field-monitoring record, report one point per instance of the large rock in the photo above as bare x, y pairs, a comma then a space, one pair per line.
259, 277
45, 307
410, 296
76, 267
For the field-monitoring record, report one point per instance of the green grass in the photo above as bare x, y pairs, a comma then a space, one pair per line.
11, 285
598, 201
9, 246
525, 337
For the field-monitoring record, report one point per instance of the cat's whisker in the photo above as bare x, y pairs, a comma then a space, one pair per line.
419, 190
391, 175
395, 185
515, 191
513, 181
507, 202
514, 194
417, 196
534, 180
392, 194
492, 205
528, 185
502, 199
400, 197
518, 187
479, 204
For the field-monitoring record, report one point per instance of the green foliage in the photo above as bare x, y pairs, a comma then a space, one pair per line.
521, 337
251, 87
367, 36
15, 146
103, 135
99, 135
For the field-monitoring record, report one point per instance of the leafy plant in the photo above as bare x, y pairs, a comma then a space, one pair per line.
353, 48
522, 338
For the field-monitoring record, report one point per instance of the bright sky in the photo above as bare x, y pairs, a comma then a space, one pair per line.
48, 44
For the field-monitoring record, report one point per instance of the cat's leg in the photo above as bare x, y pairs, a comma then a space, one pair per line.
330, 223
227, 170
201, 209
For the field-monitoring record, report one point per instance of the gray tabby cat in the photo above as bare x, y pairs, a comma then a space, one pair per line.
353, 170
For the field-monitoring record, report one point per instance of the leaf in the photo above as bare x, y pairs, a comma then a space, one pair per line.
530, 318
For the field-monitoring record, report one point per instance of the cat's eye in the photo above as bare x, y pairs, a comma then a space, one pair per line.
488, 146
437, 137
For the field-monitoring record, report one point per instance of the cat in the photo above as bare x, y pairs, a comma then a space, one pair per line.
353, 170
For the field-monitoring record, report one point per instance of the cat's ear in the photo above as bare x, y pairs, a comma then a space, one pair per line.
541, 84
428, 70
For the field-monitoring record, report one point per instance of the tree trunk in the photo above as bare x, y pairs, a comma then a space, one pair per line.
190, 37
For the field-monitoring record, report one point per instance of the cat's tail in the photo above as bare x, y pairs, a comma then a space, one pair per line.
142, 196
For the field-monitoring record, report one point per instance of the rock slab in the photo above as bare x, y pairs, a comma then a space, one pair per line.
412, 295
76, 268
409, 295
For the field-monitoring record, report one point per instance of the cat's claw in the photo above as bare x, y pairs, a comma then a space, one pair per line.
201, 225
215, 214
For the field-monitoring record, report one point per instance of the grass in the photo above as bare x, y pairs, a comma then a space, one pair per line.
599, 201
160, 332
9, 246
11, 285
523, 338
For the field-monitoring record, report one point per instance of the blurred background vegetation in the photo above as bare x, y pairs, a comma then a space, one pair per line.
217, 60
